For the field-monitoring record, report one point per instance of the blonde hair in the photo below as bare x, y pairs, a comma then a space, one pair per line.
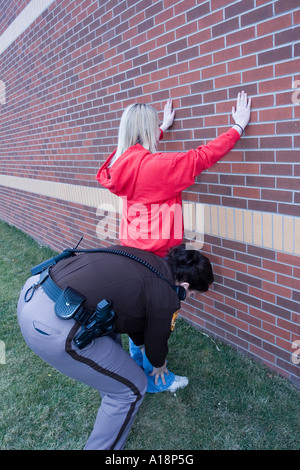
139, 124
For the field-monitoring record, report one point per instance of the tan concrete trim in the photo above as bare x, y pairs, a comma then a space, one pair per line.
267, 230
264, 229
27, 16
83, 195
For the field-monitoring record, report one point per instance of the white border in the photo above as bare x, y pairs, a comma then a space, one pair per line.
27, 16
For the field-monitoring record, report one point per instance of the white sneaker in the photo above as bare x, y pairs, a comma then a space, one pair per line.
179, 382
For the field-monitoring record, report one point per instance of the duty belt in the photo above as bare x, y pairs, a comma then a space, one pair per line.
68, 302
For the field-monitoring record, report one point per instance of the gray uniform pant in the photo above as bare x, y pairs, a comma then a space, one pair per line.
103, 365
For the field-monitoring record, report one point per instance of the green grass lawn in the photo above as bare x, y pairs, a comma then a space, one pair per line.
231, 402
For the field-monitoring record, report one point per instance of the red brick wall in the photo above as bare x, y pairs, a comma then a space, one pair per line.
9, 10
69, 76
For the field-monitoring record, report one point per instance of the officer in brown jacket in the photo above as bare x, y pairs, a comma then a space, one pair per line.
72, 315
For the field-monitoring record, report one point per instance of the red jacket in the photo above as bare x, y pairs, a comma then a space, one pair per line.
150, 185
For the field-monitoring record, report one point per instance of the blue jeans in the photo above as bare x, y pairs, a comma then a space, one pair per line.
141, 359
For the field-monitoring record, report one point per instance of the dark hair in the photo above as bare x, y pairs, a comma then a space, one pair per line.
192, 267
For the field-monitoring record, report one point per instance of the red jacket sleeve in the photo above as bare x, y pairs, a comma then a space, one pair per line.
186, 166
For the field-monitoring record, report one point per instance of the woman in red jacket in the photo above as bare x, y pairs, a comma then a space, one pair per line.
150, 183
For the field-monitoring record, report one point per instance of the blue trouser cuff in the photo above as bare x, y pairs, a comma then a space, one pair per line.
142, 360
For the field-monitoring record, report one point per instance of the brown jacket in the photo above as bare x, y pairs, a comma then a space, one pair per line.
145, 305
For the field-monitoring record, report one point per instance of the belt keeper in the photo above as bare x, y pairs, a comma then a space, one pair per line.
82, 315
32, 289
34, 286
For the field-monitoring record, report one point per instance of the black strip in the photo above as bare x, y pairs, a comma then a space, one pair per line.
101, 370
124, 425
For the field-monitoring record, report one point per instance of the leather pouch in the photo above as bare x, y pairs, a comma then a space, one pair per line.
68, 303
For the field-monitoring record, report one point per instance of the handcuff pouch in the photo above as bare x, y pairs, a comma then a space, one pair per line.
68, 303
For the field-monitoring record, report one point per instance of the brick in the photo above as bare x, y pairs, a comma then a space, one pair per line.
275, 24
216, 121
183, 6
175, 22
275, 142
187, 101
214, 96
250, 338
228, 54
257, 15
188, 53
197, 38
240, 36
288, 304
273, 195
213, 71
282, 169
216, 4
248, 259
290, 35
262, 334
297, 198
291, 65
288, 259
247, 168
240, 325
224, 308
228, 80
167, 61
288, 127
277, 84
261, 181
282, 6
296, 16
288, 281
287, 183
249, 193
154, 9
249, 280
225, 326
242, 64
213, 45
262, 295
267, 358
236, 285
239, 306
199, 11
276, 114
256, 45
225, 27
201, 86
177, 46
276, 55
275, 310
238, 8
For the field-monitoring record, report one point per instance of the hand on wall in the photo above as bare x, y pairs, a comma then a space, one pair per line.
169, 114
241, 114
